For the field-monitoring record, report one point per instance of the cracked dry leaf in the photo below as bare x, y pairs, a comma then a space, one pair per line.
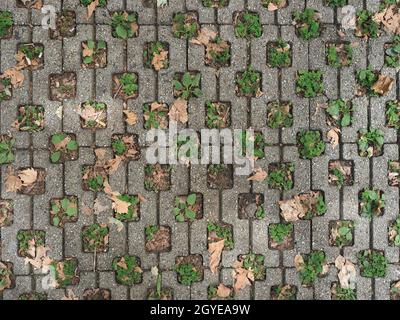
390, 18
120, 206
40, 258
113, 164
333, 136
204, 37
241, 276
159, 59
347, 272
16, 76
292, 209
91, 8
298, 262
383, 85
223, 291
28, 176
87, 52
215, 249
178, 111
258, 175
130, 117
63, 143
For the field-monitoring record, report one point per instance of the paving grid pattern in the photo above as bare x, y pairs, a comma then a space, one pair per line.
32, 212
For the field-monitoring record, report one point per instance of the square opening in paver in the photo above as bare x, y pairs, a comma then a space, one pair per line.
7, 154
93, 115
94, 54
249, 83
124, 24
339, 54
251, 206
63, 210
62, 86
279, 114
157, 177
341, 233
156, 55
281, 176
63, 147
65, 25
394, 233
218, 115
341, 173
220, 292
281, 236
158, 238
7, 24
220, 176
340, 293
284, 292
126, 208
127, 270
97, 294
5, 88
126, 146
93, 178
95, 238
188, 207
7, 279
185, 25
155, 115
371, 203
189, 269
33, 181
217, 231
125, 86
30, 118
30, 55
279, 54
187, 85
29, 241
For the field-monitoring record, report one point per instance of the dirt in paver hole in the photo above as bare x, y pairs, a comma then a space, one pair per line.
158, 239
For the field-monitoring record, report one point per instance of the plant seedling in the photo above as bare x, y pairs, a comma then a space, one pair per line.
6, 24
155, 55
215, 3
133, 208
341, 233
339, 293
394, 233
125, 146
392, 53
372, 203
279, 114
93, 178
93, 115
280, 235
313, 265
6, 149
6, 276
366, 78
340, 173
366, 25
30, 118
185, 25
310, 144
187, 85
63, 147
157, 177
339, 113
63, 211
95, 238
247, 25
309, 84
94, 54
102, 3
394, 173
31, 55
218, 231
373, 263
155, 115
307, 24
248, 83
335, 3
125, 86
218, 115
283, 292
280, 176
370, 142
5, 88
124, 25
255, 263
393, 114
339, 54
218, 53
188, 208
127, 270
6, 213
29, 241
189, 269
279, 54
65, 271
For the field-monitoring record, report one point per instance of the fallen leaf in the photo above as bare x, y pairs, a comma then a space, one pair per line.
12, 182
100, 153
389, 17
113, 164
298, 262
383, 85
63, 143
347, 272
158, 60
130, 117
204, 37
91, 8
178, 111
16, 76
154, 271
215, 249
333, 136
272, 6
259, 175
86, 52
28, 176
223, 291
120, 206
241, 276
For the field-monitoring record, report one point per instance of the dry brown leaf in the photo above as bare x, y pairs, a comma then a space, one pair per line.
39, 255
272, 6
117, 223
28, 176
242, 278
259, 175
131, 117
333, 136
347, 272
292, 209
204, 37
62, 144
12, 182
16, 76
178, 111
100, 153
113, 164
390, 18
223, 291
120, 206
37, 5
298, 262
159, 59
383, 85
86, 52
215, 249
91, 8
